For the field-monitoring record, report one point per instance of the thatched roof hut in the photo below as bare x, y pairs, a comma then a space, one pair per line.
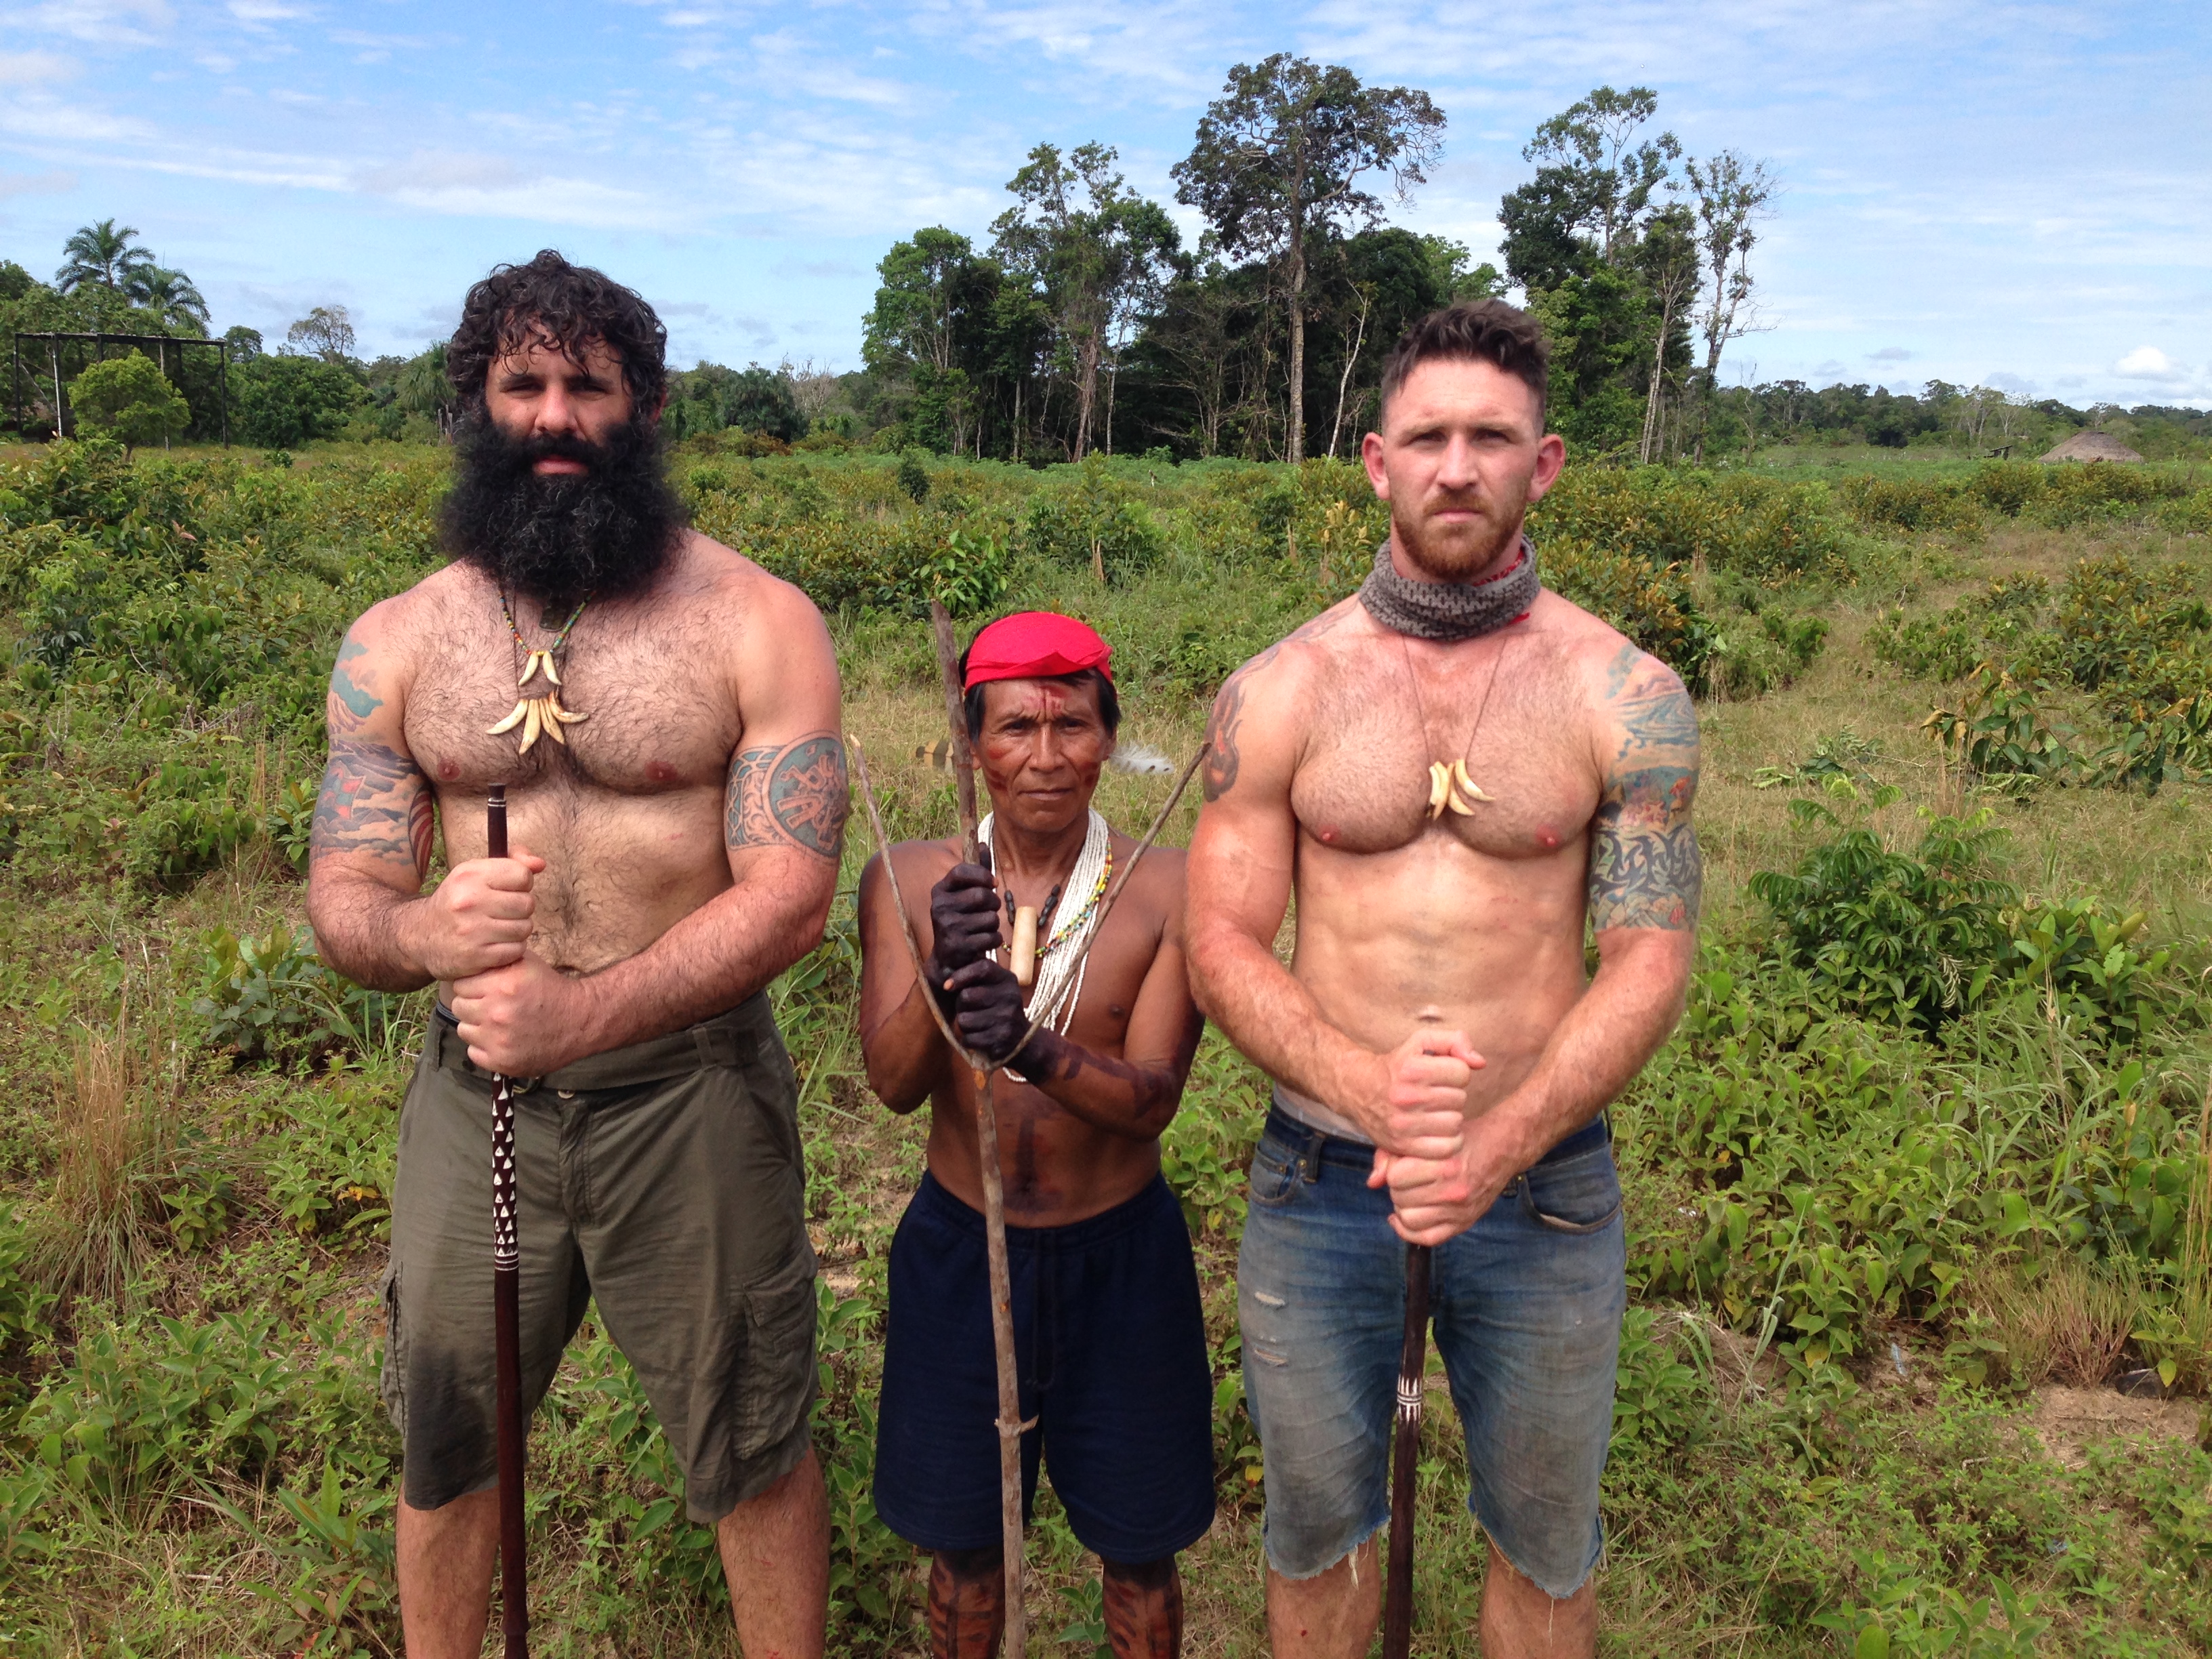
2092, 446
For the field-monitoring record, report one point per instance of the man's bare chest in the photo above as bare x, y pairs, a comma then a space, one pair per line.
1363, 783
656, 714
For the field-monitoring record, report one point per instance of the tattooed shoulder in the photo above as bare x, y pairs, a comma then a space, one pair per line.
1647, 706
1644, 867
375, 802
792, 794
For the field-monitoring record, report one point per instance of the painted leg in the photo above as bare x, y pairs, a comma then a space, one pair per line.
1144, 1607
775, 1553
1522, 1621
1331, 1615
966, 1603
446, 1557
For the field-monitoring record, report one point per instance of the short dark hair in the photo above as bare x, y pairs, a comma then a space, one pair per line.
1109, 700
1486, 331
570, 305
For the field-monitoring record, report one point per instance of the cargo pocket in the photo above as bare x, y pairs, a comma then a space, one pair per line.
775, 1383
1576, 1196
392, 1377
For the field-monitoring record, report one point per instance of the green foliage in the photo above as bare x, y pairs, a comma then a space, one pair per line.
914, 476
1766, 531
186, 824
282, 401
271, 1000
330, 1172
1093, 524
1654, 607
1912, 937
1916, 504
156, 1400
291, 823
128, 398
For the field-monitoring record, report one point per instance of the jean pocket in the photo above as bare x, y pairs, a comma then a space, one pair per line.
1578, 1195
1274, 1176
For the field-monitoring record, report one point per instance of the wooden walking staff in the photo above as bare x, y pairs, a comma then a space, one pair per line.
1405, 1456
506, 1322
995, 1192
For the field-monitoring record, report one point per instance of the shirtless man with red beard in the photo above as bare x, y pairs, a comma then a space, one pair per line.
663, 715
1460, 773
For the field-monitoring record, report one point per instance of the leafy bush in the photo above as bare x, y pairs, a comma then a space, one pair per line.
1768, 532
128, 399
186, 824
1911, 937
1093, 524
1747, 661
1916, 504
1654, 608
2137, 634
280, 402
914, 476
152, 1400
271, 999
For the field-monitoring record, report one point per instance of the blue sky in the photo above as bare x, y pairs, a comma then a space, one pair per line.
2016, 194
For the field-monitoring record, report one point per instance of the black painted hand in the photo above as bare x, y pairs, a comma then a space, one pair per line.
963, 922
989, 1017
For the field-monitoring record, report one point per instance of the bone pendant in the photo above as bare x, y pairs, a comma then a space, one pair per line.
538, 716
514, 719
1464, 790
1022, 956
537, 662
1440, 783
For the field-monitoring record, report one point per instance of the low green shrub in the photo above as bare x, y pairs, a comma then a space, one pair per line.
271, 1000
1913, 504
1656, 608
1093, 524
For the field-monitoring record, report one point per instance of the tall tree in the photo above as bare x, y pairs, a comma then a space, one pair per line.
169, 294
1732, 193
100, 254
325, 333
1667, 257
1100, 254
1278, 157
1590, 142
931, 303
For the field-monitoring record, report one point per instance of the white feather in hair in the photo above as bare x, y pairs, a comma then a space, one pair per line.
1136, 757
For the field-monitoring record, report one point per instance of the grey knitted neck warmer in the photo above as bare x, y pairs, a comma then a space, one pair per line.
1450, 611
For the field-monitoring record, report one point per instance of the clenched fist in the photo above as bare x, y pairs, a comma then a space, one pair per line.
478, 919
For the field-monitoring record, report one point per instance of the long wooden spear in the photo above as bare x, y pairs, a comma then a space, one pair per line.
1405, 1456
506, 1302
980, 1072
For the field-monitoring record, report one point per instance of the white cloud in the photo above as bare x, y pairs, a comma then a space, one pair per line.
35, 68
1890, 355
56, 182
109, 23
2149, 364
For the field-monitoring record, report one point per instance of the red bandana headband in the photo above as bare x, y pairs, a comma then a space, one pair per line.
1036, 645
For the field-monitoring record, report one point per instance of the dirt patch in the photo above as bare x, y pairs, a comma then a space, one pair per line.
2070, 1419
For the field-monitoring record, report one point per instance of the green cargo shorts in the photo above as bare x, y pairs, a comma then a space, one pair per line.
662, 1180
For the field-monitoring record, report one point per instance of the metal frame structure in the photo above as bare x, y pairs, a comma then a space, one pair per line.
99, 342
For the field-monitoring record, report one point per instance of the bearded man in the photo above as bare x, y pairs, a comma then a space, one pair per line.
663, 715
1458, 772
1108, 1331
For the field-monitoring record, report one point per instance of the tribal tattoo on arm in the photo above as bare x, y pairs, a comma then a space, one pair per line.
374, 800
1644, 867
790, 795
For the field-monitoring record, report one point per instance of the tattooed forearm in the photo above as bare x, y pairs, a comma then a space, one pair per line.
790, 796
1644, 869
374, 800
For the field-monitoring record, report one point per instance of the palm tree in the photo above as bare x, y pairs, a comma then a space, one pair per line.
100, 254
170, 295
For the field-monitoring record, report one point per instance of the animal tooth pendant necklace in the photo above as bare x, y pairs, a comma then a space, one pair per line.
541, 714
1450, 784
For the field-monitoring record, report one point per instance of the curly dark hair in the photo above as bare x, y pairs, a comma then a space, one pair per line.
1488, 330
570, 305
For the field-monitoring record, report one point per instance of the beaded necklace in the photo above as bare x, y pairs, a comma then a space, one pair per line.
542, 713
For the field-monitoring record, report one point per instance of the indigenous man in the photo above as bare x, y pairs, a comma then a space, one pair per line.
1458, 772
677, 787
1106, 1325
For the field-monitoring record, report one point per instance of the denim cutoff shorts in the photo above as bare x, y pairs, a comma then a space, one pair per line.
1527, 1306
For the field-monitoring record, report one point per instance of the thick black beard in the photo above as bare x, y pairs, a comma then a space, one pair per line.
562, 538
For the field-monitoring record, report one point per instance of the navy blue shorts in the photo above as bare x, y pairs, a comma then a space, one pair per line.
1111, 1347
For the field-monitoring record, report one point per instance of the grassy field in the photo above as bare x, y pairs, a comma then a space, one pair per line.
1918, 1183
